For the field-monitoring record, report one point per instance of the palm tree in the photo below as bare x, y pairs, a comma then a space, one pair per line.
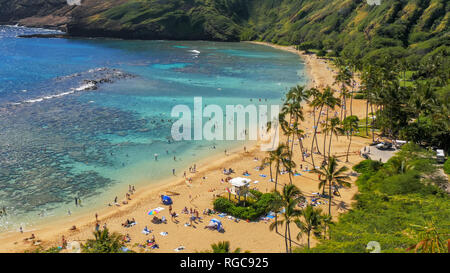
224, 247
309, 222
356, 64
351, 125
332, 176
344, 78
332, 127
398, 165
279, 157
299, 133
270, 159
326, 98
293, 108
371, 85
288, 200
313, 95
289, 165
422, 100
431, 239
298, 94
288, 109
104, 242
326, 222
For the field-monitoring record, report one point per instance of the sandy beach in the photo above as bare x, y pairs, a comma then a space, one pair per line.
199, 195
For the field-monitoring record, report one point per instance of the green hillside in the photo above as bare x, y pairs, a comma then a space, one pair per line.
420, 26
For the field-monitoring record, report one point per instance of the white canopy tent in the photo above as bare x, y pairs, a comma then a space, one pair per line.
240, 186
240, 182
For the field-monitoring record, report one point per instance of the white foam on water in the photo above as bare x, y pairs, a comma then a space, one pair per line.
83, 87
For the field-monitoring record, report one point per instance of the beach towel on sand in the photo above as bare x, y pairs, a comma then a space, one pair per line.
263, 175
179, 248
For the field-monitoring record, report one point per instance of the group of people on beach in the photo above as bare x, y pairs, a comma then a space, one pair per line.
131, 191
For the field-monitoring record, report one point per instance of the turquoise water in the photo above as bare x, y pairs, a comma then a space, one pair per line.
61, 138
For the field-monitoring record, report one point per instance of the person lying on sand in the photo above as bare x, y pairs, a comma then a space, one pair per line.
156, 220
32, 237
129, 223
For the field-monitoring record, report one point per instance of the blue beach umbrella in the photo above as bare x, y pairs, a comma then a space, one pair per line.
166, 200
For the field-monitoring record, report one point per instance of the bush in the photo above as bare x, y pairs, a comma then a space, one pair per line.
251, 212
447, 166
368, 165
390, 202
222, 204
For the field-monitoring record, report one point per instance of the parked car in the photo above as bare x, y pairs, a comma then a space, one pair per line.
440, 156
384, 146
400, 143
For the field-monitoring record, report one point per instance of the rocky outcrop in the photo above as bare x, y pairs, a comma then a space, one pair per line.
50, 13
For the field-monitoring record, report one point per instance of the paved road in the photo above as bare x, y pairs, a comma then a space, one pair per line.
376, 154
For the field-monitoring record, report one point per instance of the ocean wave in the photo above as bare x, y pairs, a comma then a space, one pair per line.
84, 87
89, 79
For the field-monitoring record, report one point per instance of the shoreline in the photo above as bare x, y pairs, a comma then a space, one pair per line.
147, 197
143, 194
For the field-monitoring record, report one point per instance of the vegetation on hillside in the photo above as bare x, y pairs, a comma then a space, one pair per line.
400, 204
410, 28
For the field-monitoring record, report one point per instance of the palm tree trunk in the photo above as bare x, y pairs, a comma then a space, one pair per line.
325, 140
271, 177
276, 182
314, 137
367, 117
351, 100
372, 124
345, 107
348, 149
309, 235
289, 234
329, 200
300, 142
329, 145
286, 239
276, 175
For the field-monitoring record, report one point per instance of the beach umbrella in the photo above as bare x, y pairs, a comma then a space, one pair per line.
166, 200
155, 211
216, 222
